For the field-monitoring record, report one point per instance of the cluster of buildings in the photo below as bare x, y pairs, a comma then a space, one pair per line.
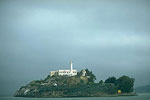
69, 72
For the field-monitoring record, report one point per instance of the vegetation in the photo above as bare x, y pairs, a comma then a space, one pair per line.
124, 83
111, 80
101, 82
91, 77
65, 86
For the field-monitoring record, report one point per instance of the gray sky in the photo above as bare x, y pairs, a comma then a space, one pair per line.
109, 37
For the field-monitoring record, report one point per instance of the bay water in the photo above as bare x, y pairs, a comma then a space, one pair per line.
140, 96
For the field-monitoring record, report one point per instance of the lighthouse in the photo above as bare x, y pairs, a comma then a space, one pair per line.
68, 72
71, 66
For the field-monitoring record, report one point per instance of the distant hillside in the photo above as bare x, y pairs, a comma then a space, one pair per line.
143, 89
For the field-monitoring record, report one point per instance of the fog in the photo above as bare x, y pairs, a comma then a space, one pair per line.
109, 37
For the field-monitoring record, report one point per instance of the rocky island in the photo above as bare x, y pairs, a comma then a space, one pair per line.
80, 85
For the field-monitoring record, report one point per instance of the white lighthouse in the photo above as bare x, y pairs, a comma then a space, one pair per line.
71, 65
71, 72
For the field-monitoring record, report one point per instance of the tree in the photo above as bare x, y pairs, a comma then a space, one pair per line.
101, 82
111, 80
79, 73
90, 75
125, 84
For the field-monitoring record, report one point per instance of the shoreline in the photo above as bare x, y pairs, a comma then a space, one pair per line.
105, 95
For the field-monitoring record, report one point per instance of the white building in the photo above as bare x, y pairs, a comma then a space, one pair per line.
83, 72
71, 72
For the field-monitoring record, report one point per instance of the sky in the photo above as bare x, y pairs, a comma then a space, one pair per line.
109, 37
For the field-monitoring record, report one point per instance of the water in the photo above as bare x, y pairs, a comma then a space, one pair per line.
141, 96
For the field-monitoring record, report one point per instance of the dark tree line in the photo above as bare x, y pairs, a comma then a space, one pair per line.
123, 83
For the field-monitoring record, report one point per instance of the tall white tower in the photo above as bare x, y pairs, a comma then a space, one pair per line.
71, 66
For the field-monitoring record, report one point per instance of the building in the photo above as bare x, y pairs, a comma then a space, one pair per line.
71, 72
83, 72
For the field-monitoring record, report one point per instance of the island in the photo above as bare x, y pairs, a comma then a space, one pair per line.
76, 84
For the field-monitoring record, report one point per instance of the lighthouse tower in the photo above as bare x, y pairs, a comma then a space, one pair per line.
71, 66
71, 69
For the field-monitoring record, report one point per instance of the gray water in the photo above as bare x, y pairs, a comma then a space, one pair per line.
141, 96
